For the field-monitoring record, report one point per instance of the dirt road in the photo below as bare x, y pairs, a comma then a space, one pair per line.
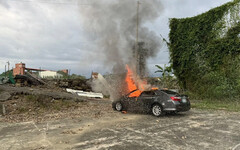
196, 129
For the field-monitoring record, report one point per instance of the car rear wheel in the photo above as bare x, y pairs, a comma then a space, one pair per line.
157, 110
118, 106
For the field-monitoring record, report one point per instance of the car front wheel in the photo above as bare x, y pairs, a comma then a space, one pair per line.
118, 106
157, 110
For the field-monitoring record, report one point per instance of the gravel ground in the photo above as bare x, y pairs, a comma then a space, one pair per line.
96, 126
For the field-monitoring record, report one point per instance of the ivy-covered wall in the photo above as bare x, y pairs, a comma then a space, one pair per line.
205, 51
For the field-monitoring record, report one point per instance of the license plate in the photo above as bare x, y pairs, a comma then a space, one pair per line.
184, 100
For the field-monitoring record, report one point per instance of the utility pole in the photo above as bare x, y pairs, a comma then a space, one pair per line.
136, 47
5, 71
8, 65
138, 4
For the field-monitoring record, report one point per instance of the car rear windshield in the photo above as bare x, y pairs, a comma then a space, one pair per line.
170, 92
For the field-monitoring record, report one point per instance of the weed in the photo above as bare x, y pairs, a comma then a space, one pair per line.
22, 109
228, 105
31, 98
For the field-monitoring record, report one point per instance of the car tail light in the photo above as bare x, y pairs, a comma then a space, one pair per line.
175, 98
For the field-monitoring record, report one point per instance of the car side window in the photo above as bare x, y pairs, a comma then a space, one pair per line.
147, 93
160, 94
164, 95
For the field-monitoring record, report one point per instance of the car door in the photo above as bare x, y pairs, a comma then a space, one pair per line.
145, 100
132, 103
129, 103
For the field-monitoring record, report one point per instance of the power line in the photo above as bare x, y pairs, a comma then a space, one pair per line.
47, 2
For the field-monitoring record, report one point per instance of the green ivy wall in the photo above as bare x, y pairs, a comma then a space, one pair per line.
205, 51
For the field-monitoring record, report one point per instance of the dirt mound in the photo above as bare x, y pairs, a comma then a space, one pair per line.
57, 94
4, 96
40, 108
76, 84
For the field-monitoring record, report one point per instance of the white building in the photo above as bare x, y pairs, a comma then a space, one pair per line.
49, 74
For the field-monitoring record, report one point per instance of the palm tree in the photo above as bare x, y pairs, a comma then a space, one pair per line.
166, 71
160, 69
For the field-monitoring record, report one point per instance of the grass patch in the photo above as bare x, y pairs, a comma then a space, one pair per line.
41, 105
48, 103
32, 98
63, 104
40, 101
1, 90
22, 110
228, 105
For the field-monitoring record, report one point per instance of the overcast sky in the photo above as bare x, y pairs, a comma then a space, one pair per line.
49, 34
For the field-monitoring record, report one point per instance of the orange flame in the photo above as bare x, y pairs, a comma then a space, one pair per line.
130, 83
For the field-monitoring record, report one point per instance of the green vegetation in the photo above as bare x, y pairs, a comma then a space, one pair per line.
38, 100
166, 71
3, 74
10, 72
228, 105
22, 110
205, 52
166, 80
75, 76
65, 75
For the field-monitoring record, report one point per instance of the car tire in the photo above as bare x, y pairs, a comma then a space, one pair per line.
157, 110
118, 106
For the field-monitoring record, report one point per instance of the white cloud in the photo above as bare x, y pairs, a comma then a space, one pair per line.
50, 36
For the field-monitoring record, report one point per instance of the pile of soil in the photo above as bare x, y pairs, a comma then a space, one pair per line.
38, 104
22, 108
76, 84
54, 93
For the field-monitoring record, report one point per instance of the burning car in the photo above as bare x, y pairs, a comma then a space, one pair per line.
155, 101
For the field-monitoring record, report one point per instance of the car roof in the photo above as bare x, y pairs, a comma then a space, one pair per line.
169, 92
155, 90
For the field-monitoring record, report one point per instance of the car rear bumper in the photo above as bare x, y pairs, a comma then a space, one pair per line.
179, 107
182, 108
